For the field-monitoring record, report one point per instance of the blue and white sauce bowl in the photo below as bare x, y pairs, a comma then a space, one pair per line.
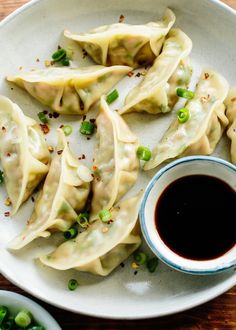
186, 166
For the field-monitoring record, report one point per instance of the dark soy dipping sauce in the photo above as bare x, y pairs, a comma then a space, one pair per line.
195, 217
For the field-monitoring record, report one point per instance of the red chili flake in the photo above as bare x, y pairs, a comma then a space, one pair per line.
50, 115
206, 75
233, 99
92, 120
12, 88
45, 128
109, 222
83, 118
8, 154
138, 74
130, 74
88, 138
121, 18
61, 126
83, 156
7, 214
136, 272
94, 167
32, 198
59, 152
79, 158
45, 112
3, 128
37, 60
122, 265
58, 47
92, 175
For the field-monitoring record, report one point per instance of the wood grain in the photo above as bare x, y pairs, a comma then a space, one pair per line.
218, 314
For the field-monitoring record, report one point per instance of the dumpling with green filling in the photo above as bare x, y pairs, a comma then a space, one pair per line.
204, 124
23, 151
157, 91
230, 103
63, 195
115, 162
68, 90
102, 247
125, 44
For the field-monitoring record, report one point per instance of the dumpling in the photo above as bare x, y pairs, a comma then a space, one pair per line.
67, 90
125, 44
115, 161
202, 131
23, 151
230, 103
102, 247
157, 92
64, 193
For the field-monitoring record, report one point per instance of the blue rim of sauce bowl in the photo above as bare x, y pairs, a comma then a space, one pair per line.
160, 173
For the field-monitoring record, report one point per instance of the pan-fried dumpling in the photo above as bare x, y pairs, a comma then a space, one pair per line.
115, 161
125, 44
102, 247
202, 131
23, 151
68, 90
157, 92
64, 193
230, 103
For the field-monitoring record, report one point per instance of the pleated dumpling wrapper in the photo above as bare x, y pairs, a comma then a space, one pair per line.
63, 195
102, 247
204, 128
115, 162
125, 44
23, 151
157, 91
230, 103
68, 90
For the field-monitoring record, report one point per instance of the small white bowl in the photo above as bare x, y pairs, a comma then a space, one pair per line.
16, 302
191, 165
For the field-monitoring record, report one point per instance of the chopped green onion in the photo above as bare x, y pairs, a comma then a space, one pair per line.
112, 96
72, 284
144, 153
65, 61
183, 115
3, 313
87, 128
105, 215
1, 177
42, 117
152, 264
67, 129
140, 258
182, 92
71, 233
23, 319
9, 324
59, 55
36, 327
82, 220
69, 53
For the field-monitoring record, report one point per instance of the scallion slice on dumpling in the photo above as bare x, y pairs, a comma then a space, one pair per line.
125, 44
204, 127
102, 247
23, 151
157, 91
230, 103
69, 90
115, 163
63, 195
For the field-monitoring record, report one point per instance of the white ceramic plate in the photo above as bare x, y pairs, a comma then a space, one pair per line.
16, 302
33, 33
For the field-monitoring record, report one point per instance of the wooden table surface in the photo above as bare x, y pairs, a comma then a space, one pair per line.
218, 314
